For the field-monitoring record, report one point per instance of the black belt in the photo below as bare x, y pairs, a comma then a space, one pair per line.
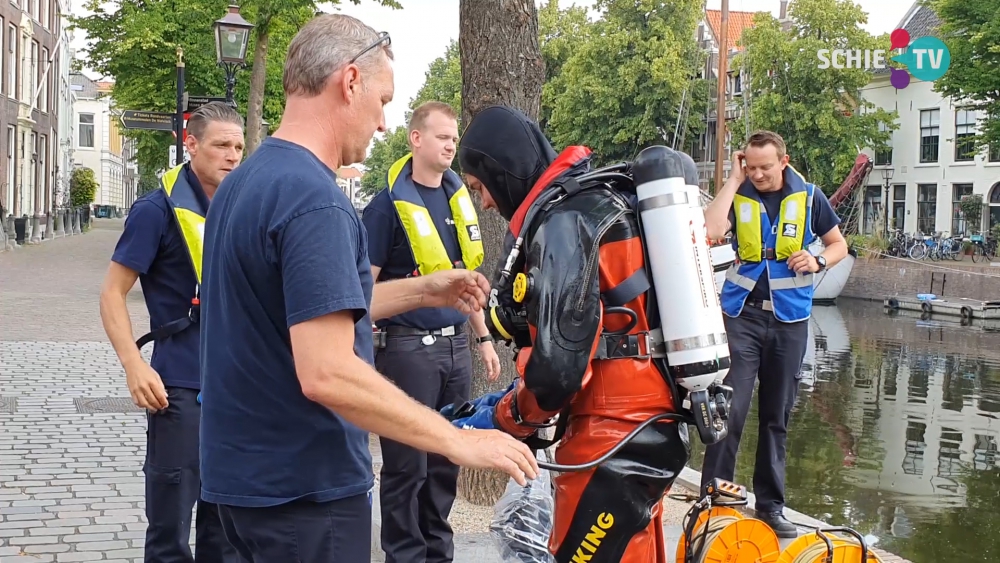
763, 304
395, 330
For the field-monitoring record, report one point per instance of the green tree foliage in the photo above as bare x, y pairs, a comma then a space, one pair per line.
134, 43
560, 31
971, 30
82, 187
443, 83
820, 112
620, 86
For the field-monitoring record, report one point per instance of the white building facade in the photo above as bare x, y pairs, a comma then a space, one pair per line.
930, 159
99, 144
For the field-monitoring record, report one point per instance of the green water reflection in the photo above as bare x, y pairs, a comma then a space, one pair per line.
895, 432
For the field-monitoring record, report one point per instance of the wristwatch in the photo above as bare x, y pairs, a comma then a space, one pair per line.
822, 263
481, 339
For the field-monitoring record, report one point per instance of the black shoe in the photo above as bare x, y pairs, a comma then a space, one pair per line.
777, 522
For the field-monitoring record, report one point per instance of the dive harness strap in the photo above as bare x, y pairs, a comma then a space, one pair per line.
644, 345
175, 327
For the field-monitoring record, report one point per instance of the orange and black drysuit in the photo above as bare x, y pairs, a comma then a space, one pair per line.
581, 261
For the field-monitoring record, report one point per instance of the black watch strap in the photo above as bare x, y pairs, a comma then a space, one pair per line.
487, 338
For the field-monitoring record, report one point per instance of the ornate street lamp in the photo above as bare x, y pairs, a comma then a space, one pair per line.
232, 34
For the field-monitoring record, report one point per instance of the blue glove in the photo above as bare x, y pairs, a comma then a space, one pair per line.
199, 398
482, 419
489, 400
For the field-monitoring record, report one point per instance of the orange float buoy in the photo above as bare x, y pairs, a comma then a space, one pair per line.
815, 547
723, 535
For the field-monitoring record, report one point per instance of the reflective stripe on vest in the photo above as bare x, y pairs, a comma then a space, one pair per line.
426, 246
188, 213
754, 235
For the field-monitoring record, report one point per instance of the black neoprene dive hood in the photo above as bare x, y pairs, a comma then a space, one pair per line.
507, 152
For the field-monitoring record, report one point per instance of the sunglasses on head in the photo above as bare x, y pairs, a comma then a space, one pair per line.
383, 38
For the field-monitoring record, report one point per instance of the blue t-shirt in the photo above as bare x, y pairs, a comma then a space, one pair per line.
389, 249
151, 244
283, 245
824, 219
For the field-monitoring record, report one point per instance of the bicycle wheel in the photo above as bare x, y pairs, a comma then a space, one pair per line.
934, 253
979, 254
918, 251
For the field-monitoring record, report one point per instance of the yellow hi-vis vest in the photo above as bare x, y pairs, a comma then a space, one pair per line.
763, 248
189, 217
429, 252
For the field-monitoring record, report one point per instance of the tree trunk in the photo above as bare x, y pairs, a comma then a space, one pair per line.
258, 78
501, 65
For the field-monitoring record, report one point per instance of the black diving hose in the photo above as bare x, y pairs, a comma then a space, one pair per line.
621, 444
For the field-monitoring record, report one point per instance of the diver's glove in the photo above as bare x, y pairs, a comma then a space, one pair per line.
461, 410
477, 413
482, 419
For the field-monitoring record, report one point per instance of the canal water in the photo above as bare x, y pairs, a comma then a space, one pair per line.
896, 432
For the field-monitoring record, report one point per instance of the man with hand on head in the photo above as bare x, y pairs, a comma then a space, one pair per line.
423, 222
290, 392
161, 245
774, 215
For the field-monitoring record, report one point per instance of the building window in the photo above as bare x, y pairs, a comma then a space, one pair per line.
965, 133
959, 224
86, 135
898, 206
33, 159
32, 73
926, 207
873, 210
11, 141
994, 152
43, 96
34, 8
12, 68
43, 149
884, 158
44, 18
930, 128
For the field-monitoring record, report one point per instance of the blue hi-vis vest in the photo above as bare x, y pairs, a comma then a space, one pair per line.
429, 252
761, 246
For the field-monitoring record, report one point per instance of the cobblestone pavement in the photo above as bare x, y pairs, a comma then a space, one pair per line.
71, 442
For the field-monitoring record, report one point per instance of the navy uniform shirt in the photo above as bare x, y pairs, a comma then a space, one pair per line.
152, 245
824, 219
283, 245
389, 249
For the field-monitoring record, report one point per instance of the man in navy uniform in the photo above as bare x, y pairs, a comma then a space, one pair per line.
424, 221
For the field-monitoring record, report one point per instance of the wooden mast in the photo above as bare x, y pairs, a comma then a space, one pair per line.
720, 111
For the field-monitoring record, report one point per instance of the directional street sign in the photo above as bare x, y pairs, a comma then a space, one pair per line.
194, 102
152, 120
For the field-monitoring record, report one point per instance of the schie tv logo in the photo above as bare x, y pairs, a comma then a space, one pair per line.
927, 58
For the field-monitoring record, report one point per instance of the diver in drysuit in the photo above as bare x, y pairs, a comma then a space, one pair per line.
583, 261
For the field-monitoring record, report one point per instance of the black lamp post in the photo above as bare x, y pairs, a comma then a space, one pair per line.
887, 176
232, 33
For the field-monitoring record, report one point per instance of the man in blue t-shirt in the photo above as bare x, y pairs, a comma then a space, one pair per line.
426, 351
160, 247
289, 391
767, 300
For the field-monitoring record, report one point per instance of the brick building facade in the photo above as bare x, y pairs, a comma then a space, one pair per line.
29, 83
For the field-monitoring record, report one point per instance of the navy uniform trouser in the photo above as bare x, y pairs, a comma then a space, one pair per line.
761, 347
417, 489
302, 531
173, 487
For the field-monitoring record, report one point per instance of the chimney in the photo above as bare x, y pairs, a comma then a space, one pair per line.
784, 10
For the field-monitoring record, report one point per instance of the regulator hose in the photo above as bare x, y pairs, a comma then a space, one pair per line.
621, 444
